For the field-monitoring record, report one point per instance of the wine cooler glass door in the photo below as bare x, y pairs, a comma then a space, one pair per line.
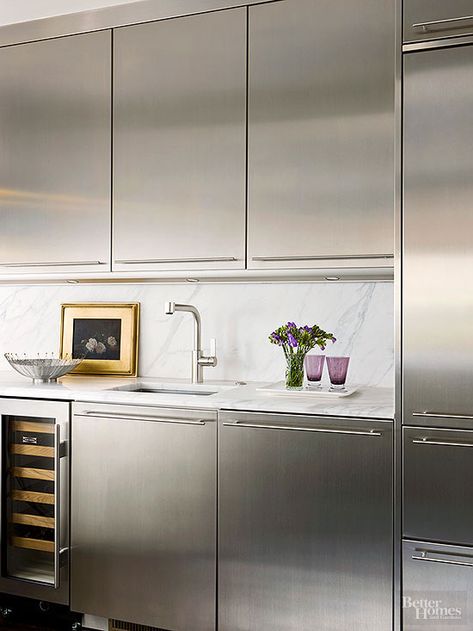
35, 481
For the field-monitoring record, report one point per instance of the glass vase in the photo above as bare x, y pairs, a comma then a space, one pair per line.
295, 371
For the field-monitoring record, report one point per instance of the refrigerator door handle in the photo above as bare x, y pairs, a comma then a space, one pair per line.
444, 24
464, 417
440, 443
423, 557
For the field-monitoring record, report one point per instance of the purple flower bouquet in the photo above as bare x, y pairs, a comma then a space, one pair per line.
296, 342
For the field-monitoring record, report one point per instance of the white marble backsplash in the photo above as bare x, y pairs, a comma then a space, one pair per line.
239, 316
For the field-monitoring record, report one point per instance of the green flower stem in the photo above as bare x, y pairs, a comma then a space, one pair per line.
295, 369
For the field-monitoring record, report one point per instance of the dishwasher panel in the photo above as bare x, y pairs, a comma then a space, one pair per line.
305, 523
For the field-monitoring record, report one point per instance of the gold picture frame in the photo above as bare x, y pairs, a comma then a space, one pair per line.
106, 333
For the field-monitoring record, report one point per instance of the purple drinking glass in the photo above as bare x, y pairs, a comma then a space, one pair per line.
314, 366
337, 370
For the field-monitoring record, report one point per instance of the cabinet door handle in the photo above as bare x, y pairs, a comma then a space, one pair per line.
440, 25
53, 264
463, 417
334, 257
441, 443
426, 559
142, 417
321, 430
57, 506
215, 259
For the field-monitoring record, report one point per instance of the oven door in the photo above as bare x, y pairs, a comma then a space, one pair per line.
35, 499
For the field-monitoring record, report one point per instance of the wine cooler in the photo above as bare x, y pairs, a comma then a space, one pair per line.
35, 499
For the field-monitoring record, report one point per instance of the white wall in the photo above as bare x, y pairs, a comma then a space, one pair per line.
239, 316
24, 10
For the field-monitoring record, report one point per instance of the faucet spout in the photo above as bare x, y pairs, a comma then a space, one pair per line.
198, 358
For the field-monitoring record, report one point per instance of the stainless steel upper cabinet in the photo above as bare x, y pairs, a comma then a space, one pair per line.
434, 19
438, 228
321, 133
55, 155
180, 143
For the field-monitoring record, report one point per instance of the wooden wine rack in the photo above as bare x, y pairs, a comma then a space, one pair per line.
43, 455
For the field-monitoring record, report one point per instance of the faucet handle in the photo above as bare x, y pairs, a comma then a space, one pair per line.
211, 358
213, 347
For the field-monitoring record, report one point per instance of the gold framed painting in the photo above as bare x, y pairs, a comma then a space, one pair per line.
105, 334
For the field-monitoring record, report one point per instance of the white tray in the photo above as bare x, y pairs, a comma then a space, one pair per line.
280, 388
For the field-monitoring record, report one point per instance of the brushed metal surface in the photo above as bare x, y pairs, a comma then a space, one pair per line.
143, 518
60, 412
432, 19
110, 17
431, 44
180, 142
438, 498
438, 255
55, 158
321, 131
305, 525
444, 573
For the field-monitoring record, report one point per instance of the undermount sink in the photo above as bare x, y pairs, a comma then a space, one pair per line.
199, 393
159, 389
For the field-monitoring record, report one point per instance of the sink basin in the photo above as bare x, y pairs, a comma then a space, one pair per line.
197, 392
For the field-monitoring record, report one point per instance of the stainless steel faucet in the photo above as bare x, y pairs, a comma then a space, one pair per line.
199, 360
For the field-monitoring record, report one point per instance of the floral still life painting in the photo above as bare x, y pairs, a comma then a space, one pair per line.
96, 339
104, 334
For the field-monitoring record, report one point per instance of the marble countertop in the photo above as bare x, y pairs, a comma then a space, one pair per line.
367, 402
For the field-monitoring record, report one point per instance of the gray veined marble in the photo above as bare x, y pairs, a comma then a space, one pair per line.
239, 316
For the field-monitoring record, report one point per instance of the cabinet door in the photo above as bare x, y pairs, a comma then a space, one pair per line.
305, 524
179, 146
321, 133
438, 224
438, 500
437, 587
55, 157
144, 516
433, 19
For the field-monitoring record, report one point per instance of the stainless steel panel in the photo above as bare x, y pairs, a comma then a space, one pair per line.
180, 143
432, 19
58, 410
108, 17
438, 498
55, 158
442, 575
305, 524
438, 253
143, 517
321, 133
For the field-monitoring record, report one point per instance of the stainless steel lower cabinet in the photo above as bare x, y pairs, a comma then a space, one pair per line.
144, 515
437, 587
305, 524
